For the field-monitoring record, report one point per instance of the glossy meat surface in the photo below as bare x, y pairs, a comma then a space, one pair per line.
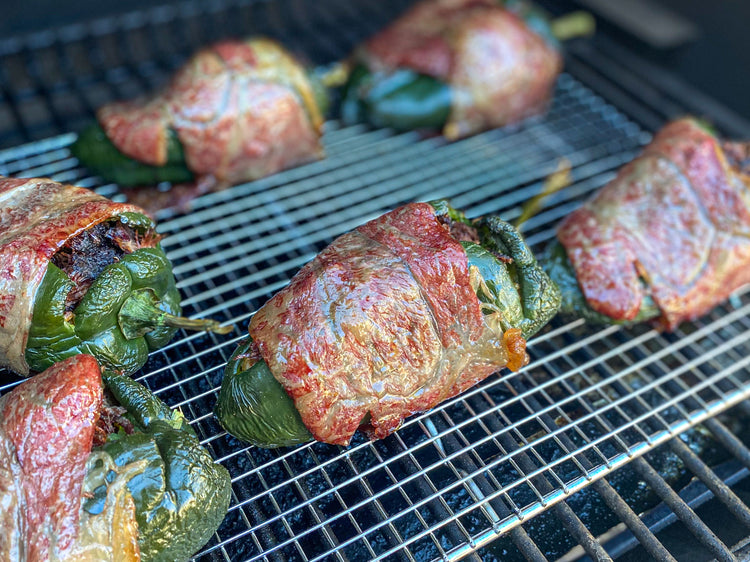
46, 432
37, 217
382, 324
241, 109
500, 70
673, 224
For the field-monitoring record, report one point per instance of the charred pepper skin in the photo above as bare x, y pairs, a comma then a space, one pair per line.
182, 495
131, 309
254, 407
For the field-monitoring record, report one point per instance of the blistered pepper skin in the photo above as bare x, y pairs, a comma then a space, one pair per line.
183, 495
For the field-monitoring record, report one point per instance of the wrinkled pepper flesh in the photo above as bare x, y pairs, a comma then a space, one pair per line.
391, 319
666, 240
236, 111
132, 481
82, 274
457, 67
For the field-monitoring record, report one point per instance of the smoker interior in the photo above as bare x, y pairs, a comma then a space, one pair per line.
530, 464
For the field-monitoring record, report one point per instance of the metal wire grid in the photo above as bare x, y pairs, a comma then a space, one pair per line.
450, 482
475, 468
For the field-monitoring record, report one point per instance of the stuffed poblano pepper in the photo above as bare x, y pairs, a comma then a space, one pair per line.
458, 66
100, 469
391, 319
236, 111
667, 240
81, 274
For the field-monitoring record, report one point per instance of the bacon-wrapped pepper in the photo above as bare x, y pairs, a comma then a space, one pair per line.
236, 111
81, 274
460, 66
102, 472
667, 239
391, 319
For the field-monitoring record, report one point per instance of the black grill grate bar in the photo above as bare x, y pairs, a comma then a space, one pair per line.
678, 506
735, 506
562, 511
480, 485
702, 471
729, 441
377, 508
634, 523
615, 502
393, 534
639, 530
592, 547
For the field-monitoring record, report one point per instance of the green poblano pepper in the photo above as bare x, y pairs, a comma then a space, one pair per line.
254, 407
94, 149
131, 309
403, 100
180, 494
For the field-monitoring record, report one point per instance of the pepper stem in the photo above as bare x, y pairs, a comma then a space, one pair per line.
140, 313
572, 25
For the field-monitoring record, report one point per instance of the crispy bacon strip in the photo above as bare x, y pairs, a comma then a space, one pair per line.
674, 223
500, 70
37, 217
241, 109
384, 322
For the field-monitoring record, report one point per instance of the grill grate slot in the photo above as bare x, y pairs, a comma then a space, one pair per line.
483, 465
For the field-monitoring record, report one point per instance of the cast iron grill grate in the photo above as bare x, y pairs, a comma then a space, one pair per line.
480, 466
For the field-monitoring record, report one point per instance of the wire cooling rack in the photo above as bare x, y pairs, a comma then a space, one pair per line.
451, 481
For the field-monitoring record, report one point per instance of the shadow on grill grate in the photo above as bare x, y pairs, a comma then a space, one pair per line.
479, 466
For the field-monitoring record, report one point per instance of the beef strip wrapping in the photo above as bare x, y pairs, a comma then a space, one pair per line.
674, 224
382, 324
500, 70
241, 109
46, 433
37, 218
